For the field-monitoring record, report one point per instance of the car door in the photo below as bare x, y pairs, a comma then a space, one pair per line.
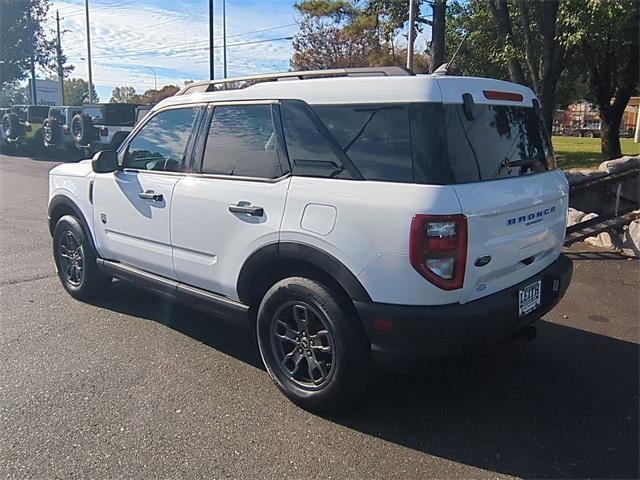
235, 204
132, 205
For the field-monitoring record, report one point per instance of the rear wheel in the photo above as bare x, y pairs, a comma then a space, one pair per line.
76, 261
314, 349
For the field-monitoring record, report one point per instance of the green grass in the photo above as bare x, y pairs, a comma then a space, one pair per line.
577, 152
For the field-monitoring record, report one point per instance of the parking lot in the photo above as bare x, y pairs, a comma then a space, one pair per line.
134, 386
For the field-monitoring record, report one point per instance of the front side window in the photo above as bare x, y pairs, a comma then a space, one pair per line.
242, 141
161, 144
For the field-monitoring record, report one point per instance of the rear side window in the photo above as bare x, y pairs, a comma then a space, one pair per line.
376, 138
242, 141
310, 150
162, 141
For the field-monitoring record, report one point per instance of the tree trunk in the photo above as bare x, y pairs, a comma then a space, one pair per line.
437, 37
610, 118
610, 141
500, 12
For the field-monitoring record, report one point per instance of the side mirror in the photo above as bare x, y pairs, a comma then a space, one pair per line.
105, 161
468, 106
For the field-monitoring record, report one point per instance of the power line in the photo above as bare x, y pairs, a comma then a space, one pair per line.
189, 44
187, 50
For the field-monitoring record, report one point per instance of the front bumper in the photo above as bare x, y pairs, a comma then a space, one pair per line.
408, 330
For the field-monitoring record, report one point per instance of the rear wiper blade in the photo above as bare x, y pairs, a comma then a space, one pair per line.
524, 162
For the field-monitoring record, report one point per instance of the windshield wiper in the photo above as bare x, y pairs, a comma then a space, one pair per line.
523, 162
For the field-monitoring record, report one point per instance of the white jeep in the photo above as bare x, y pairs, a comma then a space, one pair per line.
337, 214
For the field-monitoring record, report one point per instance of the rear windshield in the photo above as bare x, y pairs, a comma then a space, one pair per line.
430, 143
37, 114
122, 115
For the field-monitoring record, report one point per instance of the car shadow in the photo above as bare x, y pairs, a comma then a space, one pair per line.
563, 406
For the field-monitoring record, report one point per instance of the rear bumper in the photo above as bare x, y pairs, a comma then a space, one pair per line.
407, 330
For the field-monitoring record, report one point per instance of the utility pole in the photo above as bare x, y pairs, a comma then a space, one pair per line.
224, 37
411, 32
86, 6
34, 93
211, 67
59, 55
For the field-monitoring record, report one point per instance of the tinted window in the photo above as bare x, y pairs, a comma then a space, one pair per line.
310, 151
37, 114
161, 143
430, 161
96, 114
242, 141
120, 115
499, 141
376, 138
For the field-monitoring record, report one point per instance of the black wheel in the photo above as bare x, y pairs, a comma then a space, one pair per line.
314, 348
75, 260
589, 135
82, 129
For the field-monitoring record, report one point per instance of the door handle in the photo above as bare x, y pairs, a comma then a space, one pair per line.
248, 209
151, 195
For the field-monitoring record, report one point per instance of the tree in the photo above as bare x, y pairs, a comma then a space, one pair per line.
123, 95
392, 15
129, 95
13, 94
504, 35
322, 46
608, 36
76, 92
16, 44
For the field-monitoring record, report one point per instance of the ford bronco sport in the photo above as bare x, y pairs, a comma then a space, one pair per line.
337, 214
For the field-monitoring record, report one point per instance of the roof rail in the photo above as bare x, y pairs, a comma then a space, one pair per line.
244, 82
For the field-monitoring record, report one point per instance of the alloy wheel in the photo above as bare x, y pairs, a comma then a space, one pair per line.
71, 258
303, 345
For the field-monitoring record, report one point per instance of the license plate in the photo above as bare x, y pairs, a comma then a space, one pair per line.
529, 298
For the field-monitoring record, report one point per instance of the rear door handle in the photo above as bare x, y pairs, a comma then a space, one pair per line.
248, 209
151, 195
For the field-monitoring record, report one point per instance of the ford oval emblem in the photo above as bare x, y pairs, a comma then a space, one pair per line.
482, 261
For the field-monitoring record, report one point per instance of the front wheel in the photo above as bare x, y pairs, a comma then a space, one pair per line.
75, 260
313, 347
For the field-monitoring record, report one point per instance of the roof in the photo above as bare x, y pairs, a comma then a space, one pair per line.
344, 89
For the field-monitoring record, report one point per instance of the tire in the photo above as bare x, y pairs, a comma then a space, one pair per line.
50, 132
589, 135
71, 249
576, 134
82, 129
328, 375
11, 126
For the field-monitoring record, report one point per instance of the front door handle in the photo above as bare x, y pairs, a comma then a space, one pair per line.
248, 209
151, 195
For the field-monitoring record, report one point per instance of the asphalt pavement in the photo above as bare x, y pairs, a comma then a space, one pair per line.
136, 387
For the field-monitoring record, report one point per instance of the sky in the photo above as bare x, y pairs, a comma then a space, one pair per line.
130, 39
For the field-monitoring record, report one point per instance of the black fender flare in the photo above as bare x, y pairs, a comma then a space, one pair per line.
62, 201
283, 252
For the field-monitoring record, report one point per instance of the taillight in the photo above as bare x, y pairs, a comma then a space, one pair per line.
66, 130
438, 249
104, 131
27, 127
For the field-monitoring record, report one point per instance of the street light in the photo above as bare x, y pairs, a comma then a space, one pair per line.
155, 77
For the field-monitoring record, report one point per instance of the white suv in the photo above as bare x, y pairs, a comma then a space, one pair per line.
334, 213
